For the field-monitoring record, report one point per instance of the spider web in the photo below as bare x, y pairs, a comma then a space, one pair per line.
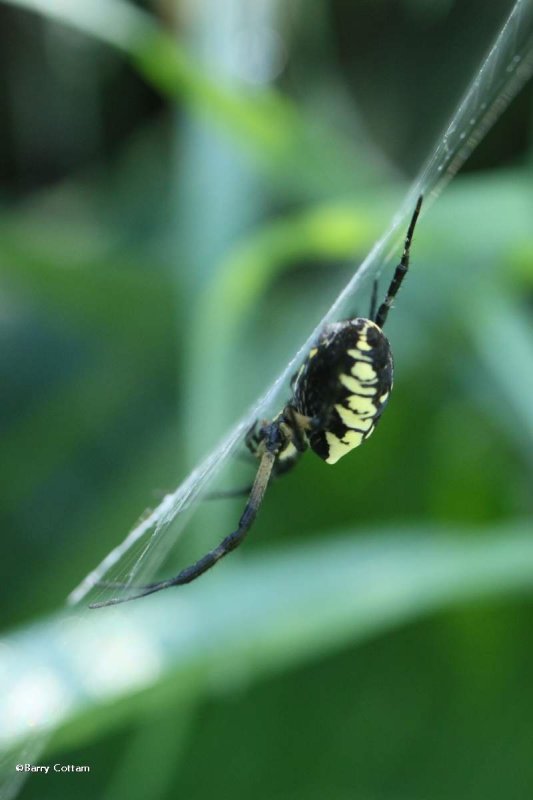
507, 66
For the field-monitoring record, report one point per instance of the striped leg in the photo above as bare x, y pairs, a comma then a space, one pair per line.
400, 271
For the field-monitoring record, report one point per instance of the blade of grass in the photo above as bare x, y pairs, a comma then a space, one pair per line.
253, 617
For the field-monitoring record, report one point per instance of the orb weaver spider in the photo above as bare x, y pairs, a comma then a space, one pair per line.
338, 396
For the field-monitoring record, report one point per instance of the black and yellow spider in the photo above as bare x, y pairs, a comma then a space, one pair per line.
338, 396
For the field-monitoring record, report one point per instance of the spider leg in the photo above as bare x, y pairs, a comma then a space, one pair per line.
374, 299
400, 272
228, 544
252, 440
280, 468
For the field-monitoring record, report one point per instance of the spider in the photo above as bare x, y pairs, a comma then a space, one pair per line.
338, 396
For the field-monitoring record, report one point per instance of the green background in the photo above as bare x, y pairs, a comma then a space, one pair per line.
174, 222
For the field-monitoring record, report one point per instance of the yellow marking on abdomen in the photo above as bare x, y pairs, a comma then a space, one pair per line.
353, 385
363, 406
358, 356
363, 371
354, 420
339, 447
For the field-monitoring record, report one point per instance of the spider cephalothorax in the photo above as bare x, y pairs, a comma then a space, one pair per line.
338, 396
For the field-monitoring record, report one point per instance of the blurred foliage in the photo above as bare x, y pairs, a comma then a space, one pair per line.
181, 200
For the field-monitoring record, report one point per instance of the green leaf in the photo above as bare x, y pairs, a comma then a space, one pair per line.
88, 670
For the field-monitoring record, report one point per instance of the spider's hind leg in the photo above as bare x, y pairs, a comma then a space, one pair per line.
273, 439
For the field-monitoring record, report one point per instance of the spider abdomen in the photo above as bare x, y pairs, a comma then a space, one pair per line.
343, 386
